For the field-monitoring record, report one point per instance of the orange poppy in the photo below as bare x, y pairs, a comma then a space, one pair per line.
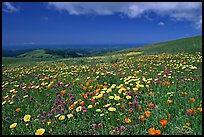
18, 109
105, 86
63, 92
188, 124
93, 101
184, 93
82, 103
105, 83
127, 120
85, 96
122, 107
72, 106
151, 131
169, 115
163, 122
193, 111
98, 85
130, 111
89, 80
151, 93
129, 103
48, 87
169, 101
90, 87
151, 105
158, 132
84, 88
147, 113
121, 99
192, 100
97, 91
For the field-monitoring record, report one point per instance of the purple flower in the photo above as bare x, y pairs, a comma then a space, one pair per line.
44, 113
52, 110
22, 119
129, 93
134, 103
26, 93
31, 97
83, 107
95, 125
90, 131
84, 110
136, 97
116, 129
48, 114
122, 128
104, 101
134, 126
100, 124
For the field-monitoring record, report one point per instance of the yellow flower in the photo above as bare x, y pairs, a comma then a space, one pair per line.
90, 106
57, 115
199, 109
13, 125
62, 117
48, 123
100, 95
69, 115
26, 118
101, 115
128, 97
111, 97
11, 103
3, 102
40, 131
112, 109
135, 89
25, 96
107, 105
116, 98
169, 101
98, 110
78, 108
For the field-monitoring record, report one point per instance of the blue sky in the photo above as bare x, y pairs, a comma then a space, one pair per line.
39, 23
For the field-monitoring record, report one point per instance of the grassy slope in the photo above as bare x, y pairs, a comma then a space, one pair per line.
191, 44
40, 53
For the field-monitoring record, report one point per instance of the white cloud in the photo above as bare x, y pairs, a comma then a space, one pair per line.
178, 11
199, 23
9, 7
131, 9
161, 24
45, 18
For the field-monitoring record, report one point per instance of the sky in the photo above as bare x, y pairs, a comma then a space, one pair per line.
55, 23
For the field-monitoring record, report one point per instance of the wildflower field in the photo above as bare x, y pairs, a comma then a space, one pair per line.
137, 95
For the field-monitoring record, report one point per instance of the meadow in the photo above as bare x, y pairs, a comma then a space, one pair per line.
123, 94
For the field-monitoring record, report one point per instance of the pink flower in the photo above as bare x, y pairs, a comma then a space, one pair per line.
122, 128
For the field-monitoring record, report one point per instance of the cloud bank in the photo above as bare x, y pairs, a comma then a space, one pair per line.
178, 11
9, 7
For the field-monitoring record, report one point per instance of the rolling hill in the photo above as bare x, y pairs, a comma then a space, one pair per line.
191, 44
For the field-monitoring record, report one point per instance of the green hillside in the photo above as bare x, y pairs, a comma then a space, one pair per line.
40, 53
191, 45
